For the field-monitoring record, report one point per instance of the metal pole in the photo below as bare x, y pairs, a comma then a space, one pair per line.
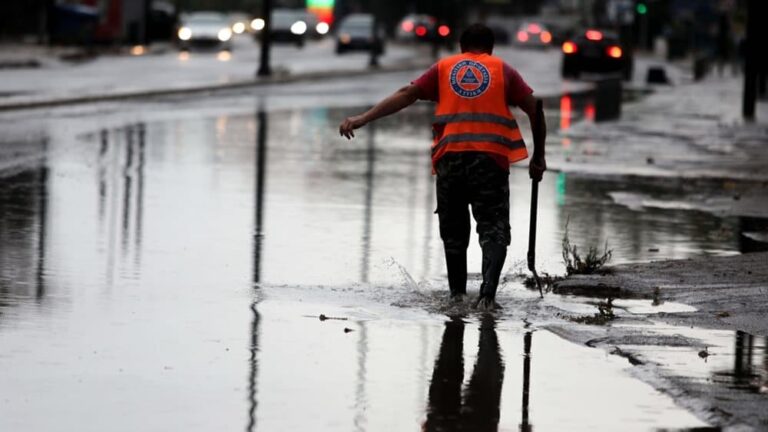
750, 62
266, 39
147, 18
373, 61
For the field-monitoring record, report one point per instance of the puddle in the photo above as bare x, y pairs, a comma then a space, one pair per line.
131, 246
586, 305
471, 372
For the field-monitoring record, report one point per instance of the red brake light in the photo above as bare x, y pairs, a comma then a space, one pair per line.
614, 52
444, 30
534, 28
569, 47
407, 26
546, 37
421, 31
522, 36
594, 35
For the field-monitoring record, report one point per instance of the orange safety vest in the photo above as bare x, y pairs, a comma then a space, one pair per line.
472, 112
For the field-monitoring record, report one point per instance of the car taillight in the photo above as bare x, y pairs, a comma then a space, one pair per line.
407, 26
421, 31
614, 52
522, 36
546, 37
444, 30
594, 35
569, 47
534, 28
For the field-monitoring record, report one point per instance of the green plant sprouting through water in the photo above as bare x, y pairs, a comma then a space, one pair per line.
593, 261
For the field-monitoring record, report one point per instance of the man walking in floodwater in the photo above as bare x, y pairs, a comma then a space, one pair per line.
476, 138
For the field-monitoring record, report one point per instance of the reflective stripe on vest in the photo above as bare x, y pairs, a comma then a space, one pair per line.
472, 112
478, 138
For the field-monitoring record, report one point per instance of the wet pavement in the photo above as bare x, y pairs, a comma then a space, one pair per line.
165, 263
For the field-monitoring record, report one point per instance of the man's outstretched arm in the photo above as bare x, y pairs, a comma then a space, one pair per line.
390, 105
539, 129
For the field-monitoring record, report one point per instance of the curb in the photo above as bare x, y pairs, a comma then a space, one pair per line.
282, 79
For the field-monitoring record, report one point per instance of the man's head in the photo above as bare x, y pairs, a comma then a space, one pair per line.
477, 38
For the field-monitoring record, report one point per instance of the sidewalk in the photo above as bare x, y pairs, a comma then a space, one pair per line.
690, 130
708, 358
728, 293
167, 71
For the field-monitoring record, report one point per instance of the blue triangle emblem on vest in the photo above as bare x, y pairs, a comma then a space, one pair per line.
469, 78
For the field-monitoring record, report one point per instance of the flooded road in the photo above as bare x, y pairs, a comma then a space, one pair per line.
164, 266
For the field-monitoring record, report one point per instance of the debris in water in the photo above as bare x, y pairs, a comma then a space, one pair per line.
704, 353
347, 330
324, 317
656, 297
723, 314
547, 281
603, 316
653, 249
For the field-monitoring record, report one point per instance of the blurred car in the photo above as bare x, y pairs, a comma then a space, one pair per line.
595, 51
288, 25
421, 28
355, 32
533, 34
205, 30
315, 28
240, 23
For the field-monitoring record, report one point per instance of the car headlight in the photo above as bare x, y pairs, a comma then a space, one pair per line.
257, 24
322, 28
299, 28
238, 28
185, 33
225, 34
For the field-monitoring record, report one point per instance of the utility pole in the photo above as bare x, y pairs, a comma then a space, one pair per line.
266, 39
147, 36
46, 22
751, 59
376, 43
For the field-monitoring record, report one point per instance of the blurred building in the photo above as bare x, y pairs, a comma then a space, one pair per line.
87, 21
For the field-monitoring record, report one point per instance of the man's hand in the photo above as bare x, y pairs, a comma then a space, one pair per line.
348, 126
390, 105
537, 167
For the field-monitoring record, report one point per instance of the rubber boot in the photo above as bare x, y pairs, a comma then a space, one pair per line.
493, 262
457, 272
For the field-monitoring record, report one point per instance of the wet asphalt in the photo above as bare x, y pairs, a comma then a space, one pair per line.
164, 264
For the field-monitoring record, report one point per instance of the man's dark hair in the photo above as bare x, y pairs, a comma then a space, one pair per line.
477, 37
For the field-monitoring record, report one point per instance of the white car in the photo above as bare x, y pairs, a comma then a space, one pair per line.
205, 30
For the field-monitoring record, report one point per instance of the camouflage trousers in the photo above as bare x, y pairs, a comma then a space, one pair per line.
472, 179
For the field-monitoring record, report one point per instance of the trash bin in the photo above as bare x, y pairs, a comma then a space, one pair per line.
608, 99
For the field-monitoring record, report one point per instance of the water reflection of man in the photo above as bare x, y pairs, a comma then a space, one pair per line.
476, 138
478, 410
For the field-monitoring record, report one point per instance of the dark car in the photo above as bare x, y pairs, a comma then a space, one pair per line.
533, 34
421, 28
596, 51
356, 33
288, 25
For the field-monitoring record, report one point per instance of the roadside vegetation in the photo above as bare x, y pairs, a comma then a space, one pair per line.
576, 263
